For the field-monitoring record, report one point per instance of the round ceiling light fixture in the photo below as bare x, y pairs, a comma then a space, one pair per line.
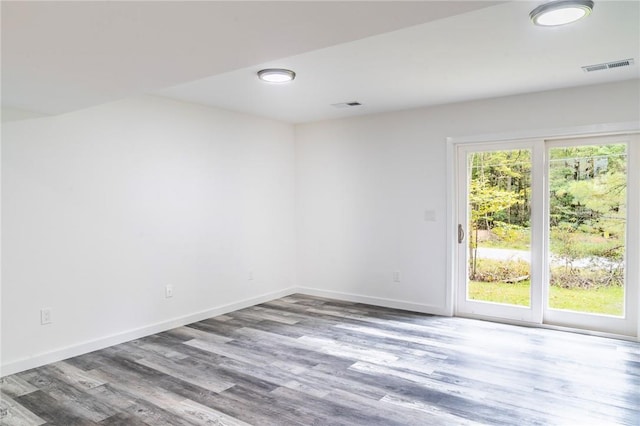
276, 75
560, 12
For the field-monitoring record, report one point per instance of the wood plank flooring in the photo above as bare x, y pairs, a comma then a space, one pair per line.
304, 360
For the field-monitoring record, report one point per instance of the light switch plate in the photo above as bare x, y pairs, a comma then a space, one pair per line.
430, 215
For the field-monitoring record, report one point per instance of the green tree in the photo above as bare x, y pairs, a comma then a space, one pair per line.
488, 194
588, 197
588, 212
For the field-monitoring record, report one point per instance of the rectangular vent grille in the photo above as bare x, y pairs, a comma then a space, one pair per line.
346, 104
608, 65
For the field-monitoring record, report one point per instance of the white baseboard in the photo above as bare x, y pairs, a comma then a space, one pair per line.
376, 301
115, 339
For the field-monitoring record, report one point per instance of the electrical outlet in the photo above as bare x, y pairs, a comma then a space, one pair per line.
168, 291
45, 316
396, 276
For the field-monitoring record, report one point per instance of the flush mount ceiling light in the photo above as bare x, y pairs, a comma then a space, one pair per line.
276, 75
560, 12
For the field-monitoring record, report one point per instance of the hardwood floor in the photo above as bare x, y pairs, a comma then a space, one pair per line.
303, 360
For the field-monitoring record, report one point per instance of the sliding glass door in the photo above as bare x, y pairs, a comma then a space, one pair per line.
543, 232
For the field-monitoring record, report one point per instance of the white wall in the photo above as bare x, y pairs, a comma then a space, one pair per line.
364, 185
104, 207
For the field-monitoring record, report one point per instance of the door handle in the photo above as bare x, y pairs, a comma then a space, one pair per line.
460, 234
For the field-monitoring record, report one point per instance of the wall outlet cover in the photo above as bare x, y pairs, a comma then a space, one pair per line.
46, 316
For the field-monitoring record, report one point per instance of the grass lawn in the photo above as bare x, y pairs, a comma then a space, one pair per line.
604, 300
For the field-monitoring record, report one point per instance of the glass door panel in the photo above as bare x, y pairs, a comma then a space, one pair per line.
592, 210
499, 243
587, 227
495, 231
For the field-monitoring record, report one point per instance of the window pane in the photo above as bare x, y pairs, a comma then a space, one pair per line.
500, 227
588, 214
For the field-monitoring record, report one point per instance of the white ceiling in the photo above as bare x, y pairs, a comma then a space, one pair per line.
58, 57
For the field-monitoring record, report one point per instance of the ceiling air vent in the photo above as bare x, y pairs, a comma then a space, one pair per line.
608, 65
346, 104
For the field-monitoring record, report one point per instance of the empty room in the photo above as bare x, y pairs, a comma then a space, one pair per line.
320, 213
